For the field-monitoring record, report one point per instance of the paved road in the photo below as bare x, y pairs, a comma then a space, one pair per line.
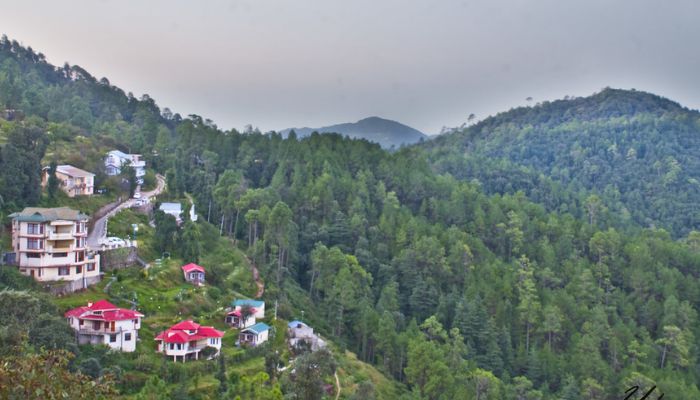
99, 230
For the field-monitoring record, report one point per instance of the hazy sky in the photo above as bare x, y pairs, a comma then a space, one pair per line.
290, 63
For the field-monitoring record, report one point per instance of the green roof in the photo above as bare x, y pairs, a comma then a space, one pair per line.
252, 303
258, 328
38, 214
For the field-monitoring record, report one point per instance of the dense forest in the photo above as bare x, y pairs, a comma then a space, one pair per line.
447, 287
633, 150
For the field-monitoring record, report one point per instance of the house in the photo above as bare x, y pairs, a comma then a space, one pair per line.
102, 322
186, 339
236, 319
74, 181
257, 305
194, 273
116, 159
51, 245
254, 335
175, 209
298, 333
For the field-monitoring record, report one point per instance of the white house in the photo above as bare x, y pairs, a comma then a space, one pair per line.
116, 159
298, 332
175, 209
102, 322
194, 273
51, 245
258, 306
254, 335
186, 339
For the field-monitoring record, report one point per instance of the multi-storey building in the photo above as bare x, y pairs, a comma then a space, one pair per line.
104, 323
74, 181
50, 244
116, 159
186, 339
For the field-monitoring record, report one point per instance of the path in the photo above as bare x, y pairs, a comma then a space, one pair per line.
99, 228
337, 386
256, 276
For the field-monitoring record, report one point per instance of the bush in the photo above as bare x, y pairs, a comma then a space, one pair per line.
208, 352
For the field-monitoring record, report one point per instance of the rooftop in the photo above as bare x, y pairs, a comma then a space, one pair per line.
249, 302
257, 328
192, 267
103, 310
295, 324
171, 207
72, 171
38, 214
186, 331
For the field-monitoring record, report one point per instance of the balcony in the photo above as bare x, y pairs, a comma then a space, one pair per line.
61, 236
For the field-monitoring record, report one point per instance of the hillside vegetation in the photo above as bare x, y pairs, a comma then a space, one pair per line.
447, 290
634, 150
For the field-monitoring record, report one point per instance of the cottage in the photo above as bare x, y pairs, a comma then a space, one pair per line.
254, 335
102, 322
258, 306
194, 274
237, 319
116, 159
186, 339
74, 181
51, 245
298, 333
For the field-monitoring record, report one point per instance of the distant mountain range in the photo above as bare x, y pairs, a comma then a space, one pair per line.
386, 132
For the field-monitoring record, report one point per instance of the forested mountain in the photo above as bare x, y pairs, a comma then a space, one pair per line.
386, 132
636, 151
450, 291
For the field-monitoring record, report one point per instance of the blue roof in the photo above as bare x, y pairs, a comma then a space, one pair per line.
295, 323
252, 303
260, 327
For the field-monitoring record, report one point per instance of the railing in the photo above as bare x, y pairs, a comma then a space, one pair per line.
61, 236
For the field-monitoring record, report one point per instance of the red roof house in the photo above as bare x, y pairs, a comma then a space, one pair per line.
194, 273
186, 339
103, 322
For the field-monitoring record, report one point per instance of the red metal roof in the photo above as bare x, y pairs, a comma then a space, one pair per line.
178, 333
106, 312
188, 325
192, 267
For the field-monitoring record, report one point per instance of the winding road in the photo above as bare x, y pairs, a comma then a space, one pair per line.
99, 229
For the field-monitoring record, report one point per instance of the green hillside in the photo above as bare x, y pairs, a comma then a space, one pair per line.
428, 286
635, 150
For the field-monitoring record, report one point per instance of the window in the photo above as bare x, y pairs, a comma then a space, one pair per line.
35, 229
112, 338
35, 244
179, 346
78, 269
127, 337
59, 255
96, 325
33, 255
63, 271
91, 267
172, 346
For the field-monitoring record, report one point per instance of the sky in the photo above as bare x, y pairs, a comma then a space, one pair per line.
278, 64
